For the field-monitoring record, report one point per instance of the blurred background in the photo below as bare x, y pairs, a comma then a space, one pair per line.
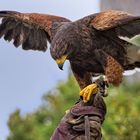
33, 91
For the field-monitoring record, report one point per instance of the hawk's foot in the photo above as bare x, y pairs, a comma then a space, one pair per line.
88, 91
102, 84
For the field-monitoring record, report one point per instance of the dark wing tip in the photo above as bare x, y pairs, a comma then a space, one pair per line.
7, 13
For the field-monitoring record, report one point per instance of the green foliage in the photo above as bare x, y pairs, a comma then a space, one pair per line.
136, 40
122, 119
39, 125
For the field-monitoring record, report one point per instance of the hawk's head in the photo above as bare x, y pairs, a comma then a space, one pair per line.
62, 46
60, 52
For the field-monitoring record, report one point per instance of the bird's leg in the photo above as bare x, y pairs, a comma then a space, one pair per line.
102, 83
84, 79
112, 68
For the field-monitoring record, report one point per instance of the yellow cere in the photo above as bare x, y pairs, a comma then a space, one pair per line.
61, 60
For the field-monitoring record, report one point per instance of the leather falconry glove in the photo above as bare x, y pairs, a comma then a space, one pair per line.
82, 121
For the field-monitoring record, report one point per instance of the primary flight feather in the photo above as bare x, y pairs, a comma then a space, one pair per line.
93, 44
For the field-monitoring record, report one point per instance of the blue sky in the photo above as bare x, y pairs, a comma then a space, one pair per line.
26, 75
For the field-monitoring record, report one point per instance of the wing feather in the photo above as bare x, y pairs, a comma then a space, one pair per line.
8, 36
123, 23
130, 29
31, 30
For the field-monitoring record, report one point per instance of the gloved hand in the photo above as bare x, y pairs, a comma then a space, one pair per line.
82, 122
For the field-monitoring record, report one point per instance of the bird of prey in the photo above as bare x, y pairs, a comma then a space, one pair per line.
94, 45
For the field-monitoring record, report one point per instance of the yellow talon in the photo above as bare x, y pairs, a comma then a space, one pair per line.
88, 91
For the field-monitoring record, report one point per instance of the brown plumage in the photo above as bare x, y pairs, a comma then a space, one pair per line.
92, 44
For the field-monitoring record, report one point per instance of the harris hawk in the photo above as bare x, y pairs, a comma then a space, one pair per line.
94, 45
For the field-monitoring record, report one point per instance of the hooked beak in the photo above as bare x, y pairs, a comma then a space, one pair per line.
60, 62
60, 66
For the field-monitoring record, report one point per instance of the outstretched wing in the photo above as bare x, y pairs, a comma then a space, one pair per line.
112, 25
124, 24
31, 30
121, 25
